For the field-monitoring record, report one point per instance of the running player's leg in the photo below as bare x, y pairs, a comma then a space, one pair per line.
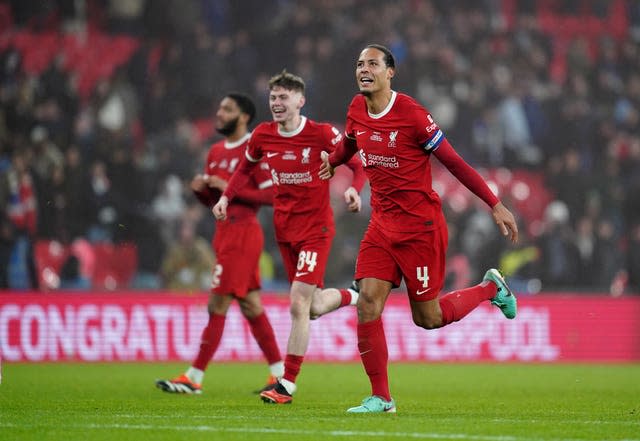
377, 273
300, 298
190, 382
261, 329
329, 299
423, 266
305, 263
242, 275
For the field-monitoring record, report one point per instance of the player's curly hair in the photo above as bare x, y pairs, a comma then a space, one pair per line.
245, 103
287, 81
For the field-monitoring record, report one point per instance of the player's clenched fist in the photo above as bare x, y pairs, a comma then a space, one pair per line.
220, 208
326, 171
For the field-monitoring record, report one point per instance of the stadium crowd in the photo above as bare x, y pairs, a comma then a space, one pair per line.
106, 111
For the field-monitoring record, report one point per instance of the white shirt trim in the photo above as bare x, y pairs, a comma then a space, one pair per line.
265, 184
303, 121
386, 109
249, 157
232, 145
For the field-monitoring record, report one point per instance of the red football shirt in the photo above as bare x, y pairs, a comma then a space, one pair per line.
222, 160
395, 147
301, 202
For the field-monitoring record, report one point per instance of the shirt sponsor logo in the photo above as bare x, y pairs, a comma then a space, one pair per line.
293, 178
382, 161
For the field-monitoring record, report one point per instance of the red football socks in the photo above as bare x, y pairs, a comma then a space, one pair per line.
266, 339
373, 352
210, 340
457, 304
345, 297
292, 364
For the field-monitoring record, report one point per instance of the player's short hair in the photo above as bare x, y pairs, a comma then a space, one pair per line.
245, 103
288, 81
389, 60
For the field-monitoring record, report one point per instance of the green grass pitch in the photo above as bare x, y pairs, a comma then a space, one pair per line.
476, 402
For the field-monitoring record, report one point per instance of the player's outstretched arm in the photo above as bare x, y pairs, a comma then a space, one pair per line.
474, 182
505, 221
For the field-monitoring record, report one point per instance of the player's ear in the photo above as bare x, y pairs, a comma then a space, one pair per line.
390, 72
301, 101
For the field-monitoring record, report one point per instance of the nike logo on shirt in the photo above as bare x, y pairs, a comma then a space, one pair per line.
360, 132
271, 154
422, 291
299, 274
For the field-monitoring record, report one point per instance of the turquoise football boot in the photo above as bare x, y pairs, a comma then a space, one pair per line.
504, 299
374, 404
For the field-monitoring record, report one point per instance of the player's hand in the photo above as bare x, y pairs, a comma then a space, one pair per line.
352, 198
199, 183
505, 221
220, 208
217, 182
326, 170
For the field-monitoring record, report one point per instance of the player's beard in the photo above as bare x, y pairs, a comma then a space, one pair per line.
228, 128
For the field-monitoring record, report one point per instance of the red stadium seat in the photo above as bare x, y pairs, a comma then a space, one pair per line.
49, 257
108, 266
115, 265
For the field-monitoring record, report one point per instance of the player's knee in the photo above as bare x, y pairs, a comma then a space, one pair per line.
427, 321
299, 308
315, 310
369, 308
250, 310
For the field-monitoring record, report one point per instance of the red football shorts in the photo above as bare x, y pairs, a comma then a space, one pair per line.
419, 258
238, 248
306, 261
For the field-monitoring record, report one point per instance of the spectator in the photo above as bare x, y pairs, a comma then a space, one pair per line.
71, 277
572, 100
187, 264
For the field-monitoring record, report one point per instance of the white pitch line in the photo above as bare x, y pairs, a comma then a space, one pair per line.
440, 419
317, 433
